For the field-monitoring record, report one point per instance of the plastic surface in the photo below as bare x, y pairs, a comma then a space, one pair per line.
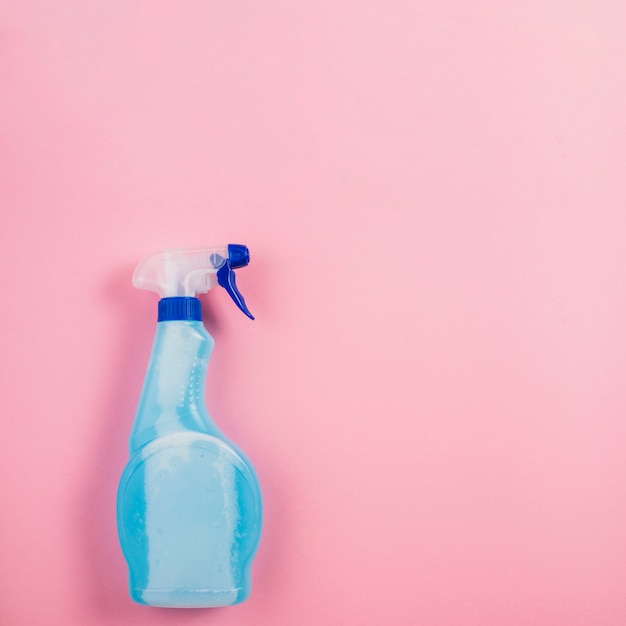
189, 504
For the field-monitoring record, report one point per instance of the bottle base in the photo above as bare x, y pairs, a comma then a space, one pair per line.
189, 598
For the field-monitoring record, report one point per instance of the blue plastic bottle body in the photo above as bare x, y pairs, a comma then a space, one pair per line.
189, 503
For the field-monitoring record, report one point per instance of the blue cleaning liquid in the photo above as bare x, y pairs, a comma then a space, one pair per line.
189, 504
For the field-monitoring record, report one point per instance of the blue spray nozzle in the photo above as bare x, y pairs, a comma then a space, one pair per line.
238, 255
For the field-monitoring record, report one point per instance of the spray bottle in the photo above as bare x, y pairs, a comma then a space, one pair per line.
189, 504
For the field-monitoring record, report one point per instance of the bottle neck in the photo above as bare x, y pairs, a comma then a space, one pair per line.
172, 398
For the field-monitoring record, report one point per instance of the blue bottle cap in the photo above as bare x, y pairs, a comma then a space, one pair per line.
180, 308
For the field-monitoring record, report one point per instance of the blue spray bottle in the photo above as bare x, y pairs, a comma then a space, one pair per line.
189, 503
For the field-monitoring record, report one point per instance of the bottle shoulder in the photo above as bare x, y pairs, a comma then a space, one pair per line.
190, 448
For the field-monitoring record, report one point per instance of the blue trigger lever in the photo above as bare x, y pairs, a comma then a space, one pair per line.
238, 256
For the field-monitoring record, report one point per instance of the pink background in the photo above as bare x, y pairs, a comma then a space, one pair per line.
433, 391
